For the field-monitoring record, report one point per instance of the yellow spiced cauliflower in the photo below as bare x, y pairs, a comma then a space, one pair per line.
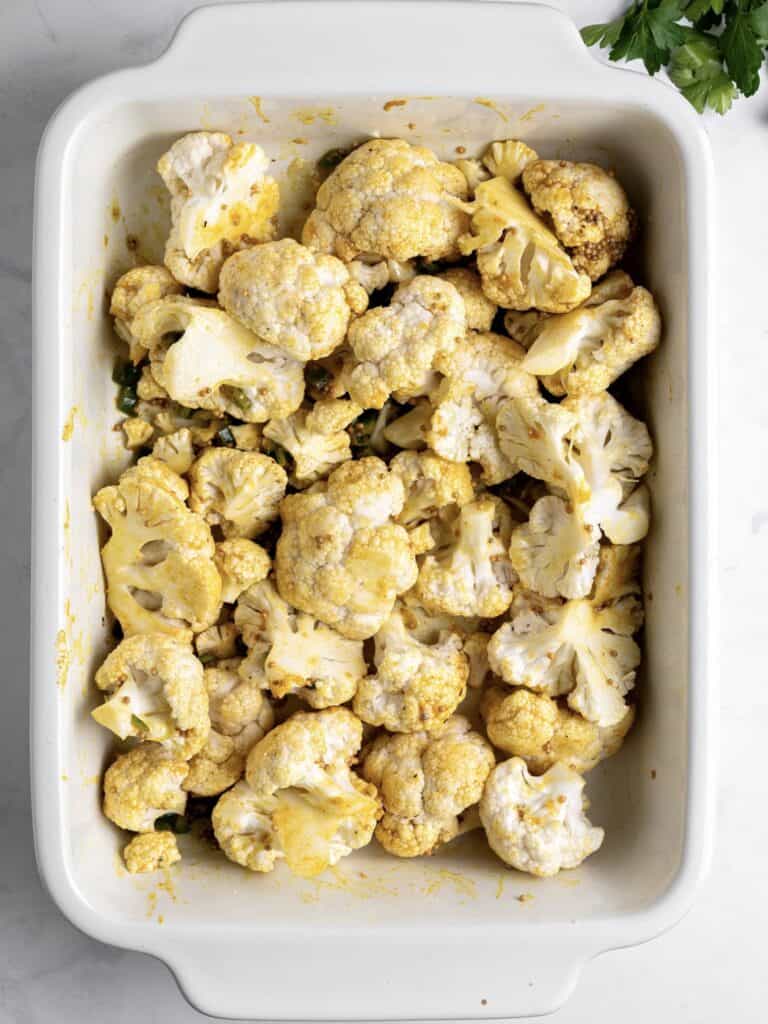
143, 785
479, 309
136, 288
240, 492
431, 483
316, 438
151, 851
241, 563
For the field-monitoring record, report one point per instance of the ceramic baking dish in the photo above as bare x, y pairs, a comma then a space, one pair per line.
376, 938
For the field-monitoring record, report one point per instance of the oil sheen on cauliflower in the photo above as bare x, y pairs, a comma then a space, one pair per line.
316, 438
221, 199
427, 781
301, 801
241, 563
151, 851
154, 688
388, 200
158, 561
136, 288
240, 492
537, 823
143, 785
295, 299
417, 685
396, 347
341, 557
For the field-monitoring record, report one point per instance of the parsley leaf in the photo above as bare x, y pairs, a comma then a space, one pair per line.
742, 52
649, 33
696, 68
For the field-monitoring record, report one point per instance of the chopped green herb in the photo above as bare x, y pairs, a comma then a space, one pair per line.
224, 438
281, 456
139, 723
207, 658
127, 400
361, 431
318, 380
126, 374
176, 823
240, 398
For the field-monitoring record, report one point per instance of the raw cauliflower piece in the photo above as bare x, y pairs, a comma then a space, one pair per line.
472, 574
158, 562
584, 351
508, 159
238, 491
582, 648
542, 731
388, 200
143, 785
431, 483
136, 288
175, 449
205, 359
479, 309
298, 300
301, 801
537, 823
396, 346
151, 851
410, 430
427, 781
416, 685
291, 652
340, 556
555, 553
521, 263
221, 199
241, 715
588, 209
241, 563
316, 438
154, 687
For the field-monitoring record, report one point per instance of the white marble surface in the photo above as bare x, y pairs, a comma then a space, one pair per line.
712, 967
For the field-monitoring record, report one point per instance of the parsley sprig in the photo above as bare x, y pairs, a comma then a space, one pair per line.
712, 49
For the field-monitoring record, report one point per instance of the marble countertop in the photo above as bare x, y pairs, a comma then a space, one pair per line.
708, 969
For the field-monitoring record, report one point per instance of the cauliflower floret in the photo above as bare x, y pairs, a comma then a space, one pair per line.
631, 520
417, 685
290, 652
537, 823
480, 311
154, 687
247, 436
541, 731
534, 435
476, 649
151, 851
301, 801
238, 491
474, 172
388, 200
555, 553
521, 263
375, 276
168, 417
136, 288
316, 438
472, 574
205, 359
221, 199
340, 556
138, 433
427, 780
508, 159
143, 785
217, 643
431, 483
410, 430
176, 450
588, 209
159, 560
241, 563
147, 387
582, 648
396, 346
241, 715
584, 351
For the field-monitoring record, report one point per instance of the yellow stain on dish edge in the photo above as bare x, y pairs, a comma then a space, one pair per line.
63, 659
256, 102
462, 885
309, 115
529, 115
484, 102
75, 414
500, 887
525, 897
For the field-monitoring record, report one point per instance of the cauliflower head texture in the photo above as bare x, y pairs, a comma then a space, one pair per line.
479, 309
136, 288
176, 450
151, 851
240, 492
316, 439
508, 159
240, 563
431, 483
143, 785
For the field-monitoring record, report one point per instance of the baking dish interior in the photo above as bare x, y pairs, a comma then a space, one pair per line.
118, 215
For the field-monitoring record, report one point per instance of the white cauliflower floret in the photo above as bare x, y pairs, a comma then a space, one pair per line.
291, 652
416, 685
176, 450
388, 200
147, 387
427, 781
221, 199
136, 288
476, 649
508, 159
217, 643
158, 562
410, 430
205, 359
151, 851
521, 262
247, 436
340, 556
631, 520
537, 823
588, 209
238, 491
555, 553
301, 801
584, 351
316, 438
472, 574
298, 300
582, 648
537, 728
479, 309
168, 417
375, 276
154, 687
431, 483
138, 433
241, 715
241, 563
143, 785
396, 346
474, 172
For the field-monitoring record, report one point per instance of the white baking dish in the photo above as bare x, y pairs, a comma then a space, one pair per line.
378, 938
